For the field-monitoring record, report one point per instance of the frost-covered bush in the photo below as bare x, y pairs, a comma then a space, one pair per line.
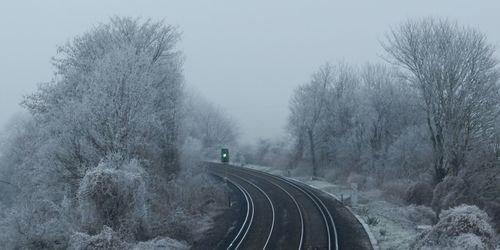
106, 239
462, 227
331, 175
357, 179
396, 190
8, 237
364, 182
192, 152
195, 192
113, 194
410, 154
161, 243
451, 192
269, 152
419, 193
421, 215
173, 215
178, 224
182, 211
37, 224
194, 188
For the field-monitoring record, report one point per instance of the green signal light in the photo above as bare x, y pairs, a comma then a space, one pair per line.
224, 153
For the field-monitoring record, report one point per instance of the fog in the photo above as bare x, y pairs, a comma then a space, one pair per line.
394, 107
245, 57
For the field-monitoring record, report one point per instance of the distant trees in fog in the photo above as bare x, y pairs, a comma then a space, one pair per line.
362, 113
209, 125
430, 115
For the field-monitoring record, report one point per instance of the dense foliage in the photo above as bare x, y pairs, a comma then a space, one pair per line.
424, 126
97, 160
463, 227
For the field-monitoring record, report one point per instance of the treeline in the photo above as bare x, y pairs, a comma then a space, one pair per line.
105, 157
427, 119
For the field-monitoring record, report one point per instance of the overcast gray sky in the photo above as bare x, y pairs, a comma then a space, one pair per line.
246, 57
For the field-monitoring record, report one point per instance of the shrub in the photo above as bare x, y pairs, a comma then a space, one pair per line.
364, 182
421, 215
195, 192
494, 211
113, 197
451, 192
462, 227
419, 193
331, 175
161, 243
302, 170
192, 193
372, 220
8, 237
357, 178
38, 224
106, 239
396, 190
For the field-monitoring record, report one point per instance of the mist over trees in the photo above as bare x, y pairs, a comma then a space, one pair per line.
425, 122
363, 112
109, 153
208, 125
456, 75
99, 154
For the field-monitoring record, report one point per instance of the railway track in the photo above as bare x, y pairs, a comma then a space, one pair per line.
280, 214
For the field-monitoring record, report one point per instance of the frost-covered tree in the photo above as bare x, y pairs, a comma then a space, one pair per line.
455, 71
390, 108
118, 90
321, 109
209, 124
113, 194
363, 112
307, 107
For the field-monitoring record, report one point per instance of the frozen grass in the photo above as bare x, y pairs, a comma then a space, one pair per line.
108, 239
203, 223
390, 223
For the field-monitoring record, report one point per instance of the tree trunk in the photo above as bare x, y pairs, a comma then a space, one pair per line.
313, 153
439, 168
438, 150
299, 152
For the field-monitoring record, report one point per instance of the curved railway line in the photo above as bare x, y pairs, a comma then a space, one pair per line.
280, 213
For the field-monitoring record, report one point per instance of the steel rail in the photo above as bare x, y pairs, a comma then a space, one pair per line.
270, 202
245, 222
301, 242
251, 220
317, 201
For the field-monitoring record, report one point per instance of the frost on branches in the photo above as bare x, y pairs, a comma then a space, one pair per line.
108, 239
98, 155
462, 227
114, 196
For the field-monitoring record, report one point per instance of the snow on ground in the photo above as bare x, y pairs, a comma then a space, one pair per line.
393, 225
389, 223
